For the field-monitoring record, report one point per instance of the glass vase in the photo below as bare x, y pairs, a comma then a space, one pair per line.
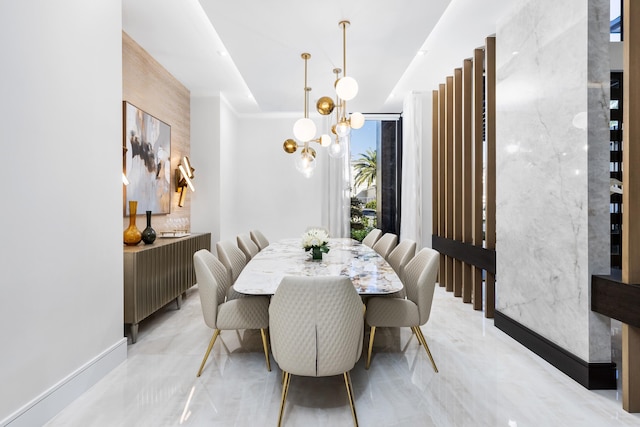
316, 253
132, 235
148, 234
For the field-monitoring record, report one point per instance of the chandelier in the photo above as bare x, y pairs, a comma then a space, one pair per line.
346, 90
304, 129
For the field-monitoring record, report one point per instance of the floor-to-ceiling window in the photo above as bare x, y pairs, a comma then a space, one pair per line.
375, 156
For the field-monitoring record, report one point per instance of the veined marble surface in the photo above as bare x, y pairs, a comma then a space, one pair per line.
552, 220
486, 379
368, 271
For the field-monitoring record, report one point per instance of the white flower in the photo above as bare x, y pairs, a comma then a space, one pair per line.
315, 237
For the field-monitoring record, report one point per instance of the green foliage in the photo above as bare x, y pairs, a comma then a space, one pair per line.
373, 204
359, 234
357, 223
366, 168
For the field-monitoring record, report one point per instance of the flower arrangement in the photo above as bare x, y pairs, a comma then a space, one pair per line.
316, 240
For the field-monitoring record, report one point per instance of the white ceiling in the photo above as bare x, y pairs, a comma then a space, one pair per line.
249, 50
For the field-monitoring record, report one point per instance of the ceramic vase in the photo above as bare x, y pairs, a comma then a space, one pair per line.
148, 234
132, 235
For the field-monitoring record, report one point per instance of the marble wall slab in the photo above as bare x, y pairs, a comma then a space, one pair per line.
552, 170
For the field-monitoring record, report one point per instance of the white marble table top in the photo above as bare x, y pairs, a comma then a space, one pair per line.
369, 272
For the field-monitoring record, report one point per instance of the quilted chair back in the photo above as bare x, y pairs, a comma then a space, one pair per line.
247, 246
212, 280
259, 239
385, 244
401, 255
420, 276
372, 237
231, 257
316, 325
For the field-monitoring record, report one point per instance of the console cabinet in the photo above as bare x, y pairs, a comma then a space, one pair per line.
157, 274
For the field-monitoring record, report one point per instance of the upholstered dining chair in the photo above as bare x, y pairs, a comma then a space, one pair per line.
420, 280
372, 237
316, 327
259, 239
221, 313
401, 255
247, 246
234, 260
398, 259
386, 244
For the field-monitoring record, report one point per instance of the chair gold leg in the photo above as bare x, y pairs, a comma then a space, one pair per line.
371, 336
266, 348
413, 331
206, 355
285, 390
347, 382
426, 347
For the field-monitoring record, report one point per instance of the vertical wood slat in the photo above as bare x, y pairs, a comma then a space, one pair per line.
478, 108
467, 188
490, 96
435, 166
457, 176
442, 171
631, 198
449, 179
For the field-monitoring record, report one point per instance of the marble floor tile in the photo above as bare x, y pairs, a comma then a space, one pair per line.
485, 379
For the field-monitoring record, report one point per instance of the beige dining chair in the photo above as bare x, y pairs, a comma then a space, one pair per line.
316, 327
386, 244
234, 261
420, 280
247, 246
372, 237
219, 312
398, 259
259, 239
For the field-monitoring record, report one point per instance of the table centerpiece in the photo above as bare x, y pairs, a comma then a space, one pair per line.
316, 241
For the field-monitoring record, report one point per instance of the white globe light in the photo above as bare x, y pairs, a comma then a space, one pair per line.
305, 164
304, 129
356, 120
325, 140
343, 128
347, 88
337, 150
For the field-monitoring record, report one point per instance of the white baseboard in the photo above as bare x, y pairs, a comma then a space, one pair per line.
55, 399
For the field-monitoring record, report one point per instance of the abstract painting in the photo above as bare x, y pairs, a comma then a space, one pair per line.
147, 161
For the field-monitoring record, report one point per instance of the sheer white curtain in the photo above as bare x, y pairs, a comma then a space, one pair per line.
411, 212
339, 194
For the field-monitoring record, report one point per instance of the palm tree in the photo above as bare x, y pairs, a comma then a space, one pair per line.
366, 168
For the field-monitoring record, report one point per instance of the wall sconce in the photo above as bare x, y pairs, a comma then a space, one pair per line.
184, 177
125, 181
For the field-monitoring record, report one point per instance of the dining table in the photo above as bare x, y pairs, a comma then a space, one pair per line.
369, 272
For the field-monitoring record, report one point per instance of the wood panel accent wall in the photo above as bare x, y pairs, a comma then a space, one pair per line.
631, 198
448, 172
440, 201
490, 196
462, 127
150, 87
467, 172
478, 138
457, 176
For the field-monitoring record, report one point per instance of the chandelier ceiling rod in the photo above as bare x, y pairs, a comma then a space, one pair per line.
344, 25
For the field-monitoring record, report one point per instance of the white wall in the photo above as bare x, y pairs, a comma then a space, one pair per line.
205, 155
260, 186
61, 308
